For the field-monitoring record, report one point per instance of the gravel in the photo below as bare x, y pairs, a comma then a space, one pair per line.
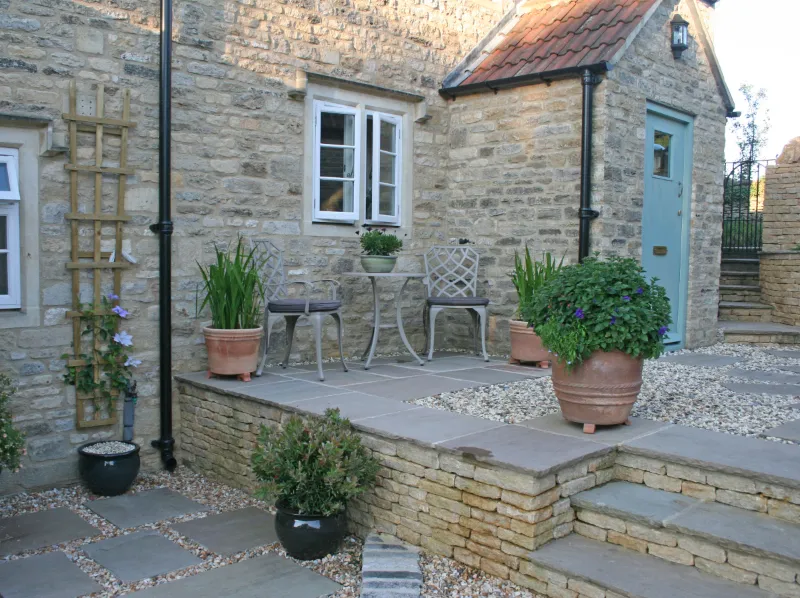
681, 394
111, 447
444, 577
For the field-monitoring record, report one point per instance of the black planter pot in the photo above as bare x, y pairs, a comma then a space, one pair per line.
108, 475
309, 537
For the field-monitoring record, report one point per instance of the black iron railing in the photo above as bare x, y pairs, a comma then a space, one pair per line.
742, 212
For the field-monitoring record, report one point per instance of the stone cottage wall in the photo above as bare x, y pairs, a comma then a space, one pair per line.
237, 159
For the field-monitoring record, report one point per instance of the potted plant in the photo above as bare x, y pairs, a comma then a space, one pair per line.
311, 470
12, 441
379, 248
234, 293
600, 319
107, 467
528, 277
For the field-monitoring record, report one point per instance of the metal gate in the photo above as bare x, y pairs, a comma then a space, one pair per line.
742, 213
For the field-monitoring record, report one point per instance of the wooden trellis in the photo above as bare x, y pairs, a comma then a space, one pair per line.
96, 260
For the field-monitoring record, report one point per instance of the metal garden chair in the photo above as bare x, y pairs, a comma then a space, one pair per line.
451, 277
279, 304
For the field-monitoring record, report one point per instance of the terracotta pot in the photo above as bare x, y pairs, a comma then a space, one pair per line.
233, 352
601, 390
378, 264
525, 343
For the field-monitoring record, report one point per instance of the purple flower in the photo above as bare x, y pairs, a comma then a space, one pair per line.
123, 338
662, 331
626, 298
579, 314
639, 291
133, 362
120, 312
613, 320
113, 297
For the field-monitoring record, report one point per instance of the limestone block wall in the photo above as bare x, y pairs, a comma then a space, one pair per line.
779, 277
782, 201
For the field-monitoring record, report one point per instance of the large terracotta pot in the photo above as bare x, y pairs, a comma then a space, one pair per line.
600, 391
233, 352
526, 346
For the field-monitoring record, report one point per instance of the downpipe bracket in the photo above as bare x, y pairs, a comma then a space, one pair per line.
588, 213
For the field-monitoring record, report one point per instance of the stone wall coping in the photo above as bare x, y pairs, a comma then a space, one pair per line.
780, 252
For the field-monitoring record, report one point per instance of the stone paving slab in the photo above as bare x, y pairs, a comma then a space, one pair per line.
231, 383
633, 574
396, 371
449, 364
355, 405
762, 376
787, 431
140, 555
133, 510
231, 532
289, 392
340, 377
530, 371
785, 354
698, 360
525, 449
406, 389
426, 425
611, 435
753, 388
762, 460
485, 376
30, 531
267, 576
389, 568
50, 575
634, 502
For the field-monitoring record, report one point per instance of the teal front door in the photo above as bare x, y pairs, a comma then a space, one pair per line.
665, 212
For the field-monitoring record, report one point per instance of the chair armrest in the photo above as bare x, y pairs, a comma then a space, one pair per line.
307, 286
333, 288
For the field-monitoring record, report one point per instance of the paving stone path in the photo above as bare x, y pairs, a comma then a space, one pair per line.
390, 569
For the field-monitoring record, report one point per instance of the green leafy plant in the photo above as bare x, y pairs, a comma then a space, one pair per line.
109, 350
12, 441
313, 467
233, 288
377, 241
530, 275
600, 306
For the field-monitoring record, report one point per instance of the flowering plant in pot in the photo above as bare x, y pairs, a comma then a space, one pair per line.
311, 469
528, 277
234, 292
600, 319
379, 248
12, 441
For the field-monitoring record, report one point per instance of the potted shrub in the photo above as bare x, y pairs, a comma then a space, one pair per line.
379, 248
107, 467
12, 441
600, 320
234, 293
310, 469
528, 277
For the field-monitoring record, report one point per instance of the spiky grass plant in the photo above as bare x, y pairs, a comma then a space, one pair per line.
530, 275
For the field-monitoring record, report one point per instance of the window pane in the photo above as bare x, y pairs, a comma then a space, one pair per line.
337, 162
5, 184
3, 232
387, 168
3, 274
388, 137
386, 206
661, 145
368, 178
336, 196
338, 129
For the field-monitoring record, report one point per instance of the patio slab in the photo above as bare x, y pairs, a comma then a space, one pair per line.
355, 405
754, 388
133, 510
485, 376
760, 459
267, 576
396, 371
426, 425
787, 431
50, 575
289, 392
785, 354
140, 555
703, 361
339, 377
406, 389
610, 435
525, 449
634, 502
231, 532
449, 364
530, 371
231, 383
43, 528
762, 376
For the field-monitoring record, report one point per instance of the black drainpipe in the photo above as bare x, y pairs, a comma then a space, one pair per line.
166, 443
587, 214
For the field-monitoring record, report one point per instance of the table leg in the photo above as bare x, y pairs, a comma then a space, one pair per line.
400, 323
376, 322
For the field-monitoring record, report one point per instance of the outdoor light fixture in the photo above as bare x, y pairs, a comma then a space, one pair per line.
680, 36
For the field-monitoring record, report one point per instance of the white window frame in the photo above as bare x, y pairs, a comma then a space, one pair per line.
319, 213
10, 157
376, 217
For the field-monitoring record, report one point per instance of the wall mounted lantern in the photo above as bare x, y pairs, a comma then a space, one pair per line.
680, 36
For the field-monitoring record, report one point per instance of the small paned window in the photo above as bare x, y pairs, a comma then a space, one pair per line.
661, 151
10, 283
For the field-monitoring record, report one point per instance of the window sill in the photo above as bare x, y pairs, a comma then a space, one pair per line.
16, 318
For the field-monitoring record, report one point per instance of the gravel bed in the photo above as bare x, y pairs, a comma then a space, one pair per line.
110, 447
446, 578
687, 395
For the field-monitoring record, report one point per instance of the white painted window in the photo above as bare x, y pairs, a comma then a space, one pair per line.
384, 169
10, 283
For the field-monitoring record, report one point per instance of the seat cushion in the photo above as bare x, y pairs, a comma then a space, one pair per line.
457, 301
295, 306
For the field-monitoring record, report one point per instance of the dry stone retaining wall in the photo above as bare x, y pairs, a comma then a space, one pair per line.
779, 276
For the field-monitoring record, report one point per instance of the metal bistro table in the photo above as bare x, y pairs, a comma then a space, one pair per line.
376, 322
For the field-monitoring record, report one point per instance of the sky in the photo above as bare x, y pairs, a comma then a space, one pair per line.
757, 43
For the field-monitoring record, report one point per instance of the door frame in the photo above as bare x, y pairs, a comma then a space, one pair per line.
686, 220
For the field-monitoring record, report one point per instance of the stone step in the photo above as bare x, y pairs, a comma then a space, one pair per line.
750, 293
759, 333
578, 566
736, 277
744, 311
739, 264
738, 545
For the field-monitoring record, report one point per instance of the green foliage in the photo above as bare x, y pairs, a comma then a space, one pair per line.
109, 350
233, 288
529, 275
377, 241
313, 467
12, 441
742, 234
600, 306
750, 131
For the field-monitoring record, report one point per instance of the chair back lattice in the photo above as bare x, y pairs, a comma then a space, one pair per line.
451, 271
273, 276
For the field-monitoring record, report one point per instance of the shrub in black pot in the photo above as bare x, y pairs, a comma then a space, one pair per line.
311, 469
108, 468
